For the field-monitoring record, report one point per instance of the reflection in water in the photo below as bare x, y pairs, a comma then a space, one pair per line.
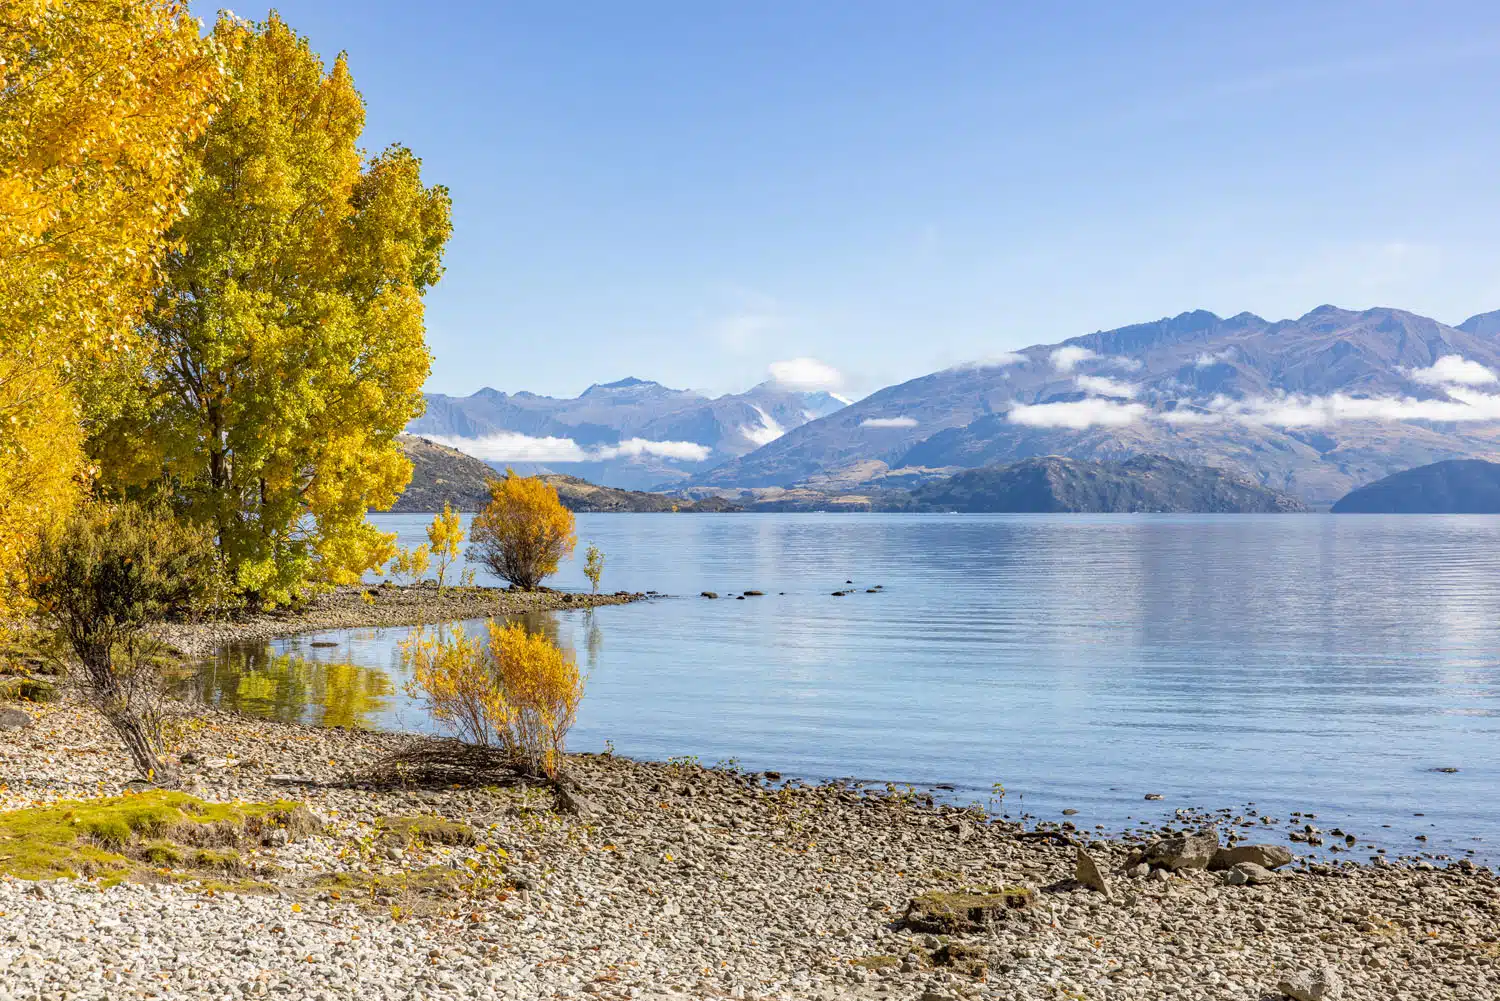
258, 681
335, 677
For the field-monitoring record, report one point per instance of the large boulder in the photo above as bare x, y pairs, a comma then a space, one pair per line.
1265, 856
1087, 872
1324, 984
942, 913
1183, 851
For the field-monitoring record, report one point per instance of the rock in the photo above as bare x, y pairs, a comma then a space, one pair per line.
189, 758
754, 594
966, 959
14, 719
1254, 875
944, 913
1266, 856
1153, 795
710, 594
1160, 875
1138, 871
571, 800
1086, 871
1185, 851
1322, 985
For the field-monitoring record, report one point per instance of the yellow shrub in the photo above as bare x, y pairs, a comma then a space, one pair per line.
451, 674
444, 536
410, 563
542, 687
524, 531
521, 690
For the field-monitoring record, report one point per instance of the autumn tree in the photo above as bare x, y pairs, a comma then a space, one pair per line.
98, 99
593, 567
444, 536
523, 533
287, 329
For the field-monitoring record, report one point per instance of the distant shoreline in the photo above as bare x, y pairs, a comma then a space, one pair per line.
344, 607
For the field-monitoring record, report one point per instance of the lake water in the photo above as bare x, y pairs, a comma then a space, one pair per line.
1299, 662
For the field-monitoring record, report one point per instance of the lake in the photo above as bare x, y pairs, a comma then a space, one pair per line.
1297, 662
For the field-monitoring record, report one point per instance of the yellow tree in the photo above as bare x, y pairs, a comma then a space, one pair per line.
444, 536
524, 532
97, 101
288, 326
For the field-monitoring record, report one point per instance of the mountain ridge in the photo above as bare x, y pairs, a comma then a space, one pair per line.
1210, 390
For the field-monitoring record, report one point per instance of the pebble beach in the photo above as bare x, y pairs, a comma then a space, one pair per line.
656, 880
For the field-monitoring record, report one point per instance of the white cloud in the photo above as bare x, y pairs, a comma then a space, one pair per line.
1463, 405
888, 422
1001, 360
1099, 385
1078, 414
688, 451
511, 446
1453, 370
1204, 360
768, 431
806, 374
1186, 415
1065, 359
1122, 362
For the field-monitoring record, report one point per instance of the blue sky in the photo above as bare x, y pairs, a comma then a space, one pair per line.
693, 191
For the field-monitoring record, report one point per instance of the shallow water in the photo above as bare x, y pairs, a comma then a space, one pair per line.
1301, 662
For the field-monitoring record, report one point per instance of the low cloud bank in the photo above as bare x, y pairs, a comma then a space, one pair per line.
510, 446
806, 374
1455, 375
888, 422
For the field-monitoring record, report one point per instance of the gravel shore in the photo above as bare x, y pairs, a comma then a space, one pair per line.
389, 605
671, 880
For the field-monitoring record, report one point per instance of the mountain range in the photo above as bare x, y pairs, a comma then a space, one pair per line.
1311, 407
632, 433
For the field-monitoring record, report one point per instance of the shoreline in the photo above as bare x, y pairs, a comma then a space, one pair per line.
670, 879
343, 607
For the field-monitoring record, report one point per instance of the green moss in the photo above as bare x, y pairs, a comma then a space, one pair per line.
432, 830
876, 962
27, 689
114, 838
161, 853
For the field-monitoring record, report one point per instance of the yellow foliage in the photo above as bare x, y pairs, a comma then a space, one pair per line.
524, 532
286, 333
410, 563
452, 675
97, 101
593, 567
521, 690
445, 535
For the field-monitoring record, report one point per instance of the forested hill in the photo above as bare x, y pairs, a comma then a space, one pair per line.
440, 474
1458, 486
1142, 484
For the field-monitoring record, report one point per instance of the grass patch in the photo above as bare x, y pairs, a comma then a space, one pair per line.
127, 837
876, 962
426, 829
419, 891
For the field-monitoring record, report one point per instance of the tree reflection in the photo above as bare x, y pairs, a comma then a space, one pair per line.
259, 682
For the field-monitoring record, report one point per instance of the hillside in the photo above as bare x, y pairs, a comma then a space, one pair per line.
1312, 407
1460, 486
1144, 483
440, 473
